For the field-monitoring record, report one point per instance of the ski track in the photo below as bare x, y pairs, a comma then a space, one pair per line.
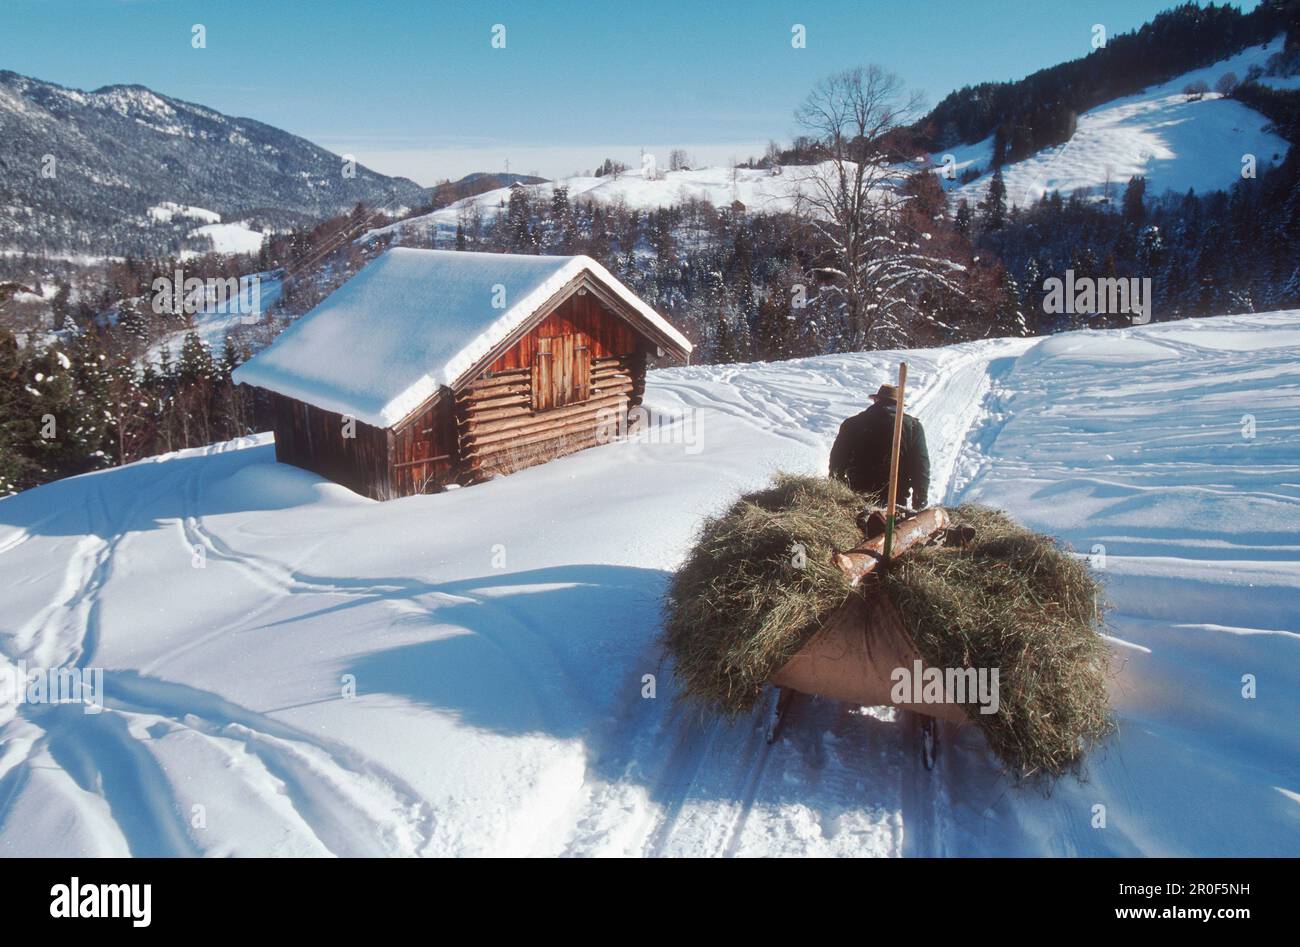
330, 788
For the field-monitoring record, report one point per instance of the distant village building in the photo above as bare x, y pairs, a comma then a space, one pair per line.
435, 366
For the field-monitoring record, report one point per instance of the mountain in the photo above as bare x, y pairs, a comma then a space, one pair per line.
1041, 109
496, 179
1174, 138
321, 674
104, 172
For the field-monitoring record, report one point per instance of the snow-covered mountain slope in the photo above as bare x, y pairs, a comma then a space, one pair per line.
497, 637
758, 190
126, 154
1174, 140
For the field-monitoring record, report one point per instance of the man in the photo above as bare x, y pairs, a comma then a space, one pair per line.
863, 447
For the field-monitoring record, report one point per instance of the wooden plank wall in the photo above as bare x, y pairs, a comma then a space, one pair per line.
561, 371
606, 333
424, 449
312, 438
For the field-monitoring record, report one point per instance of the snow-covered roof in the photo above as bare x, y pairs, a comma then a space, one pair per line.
413, 321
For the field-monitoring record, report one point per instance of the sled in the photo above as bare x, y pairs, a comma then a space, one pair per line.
852, 657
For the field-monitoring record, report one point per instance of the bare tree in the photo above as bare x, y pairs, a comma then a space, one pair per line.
870, 261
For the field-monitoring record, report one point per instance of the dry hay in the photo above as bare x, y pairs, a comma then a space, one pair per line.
742, 605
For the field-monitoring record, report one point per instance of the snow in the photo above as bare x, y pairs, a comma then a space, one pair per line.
1281, 82
497, 636
48, 292
412, 321
229, 238
757, 189
1175, 142
79, 259
168, 210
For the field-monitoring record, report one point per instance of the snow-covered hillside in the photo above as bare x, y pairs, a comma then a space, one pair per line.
1174, 140
235, 237
497, 636
218, 317
758, 190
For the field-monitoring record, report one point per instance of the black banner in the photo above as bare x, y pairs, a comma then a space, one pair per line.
143, 897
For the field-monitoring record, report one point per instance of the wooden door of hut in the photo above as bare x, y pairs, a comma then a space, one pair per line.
561, 371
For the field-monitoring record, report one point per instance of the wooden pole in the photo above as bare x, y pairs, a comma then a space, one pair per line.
893, 462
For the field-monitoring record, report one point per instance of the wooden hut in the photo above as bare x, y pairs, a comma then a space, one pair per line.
434, 366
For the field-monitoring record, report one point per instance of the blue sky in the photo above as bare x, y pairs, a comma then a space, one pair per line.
414, 87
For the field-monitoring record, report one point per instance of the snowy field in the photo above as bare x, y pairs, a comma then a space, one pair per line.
497, 636
236, 237
760, 191
1175, 141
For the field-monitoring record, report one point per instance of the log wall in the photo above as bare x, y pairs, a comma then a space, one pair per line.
500, 432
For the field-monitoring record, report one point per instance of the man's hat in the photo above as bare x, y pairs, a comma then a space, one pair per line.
886, 393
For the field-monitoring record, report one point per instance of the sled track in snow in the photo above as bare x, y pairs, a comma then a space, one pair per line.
716, 781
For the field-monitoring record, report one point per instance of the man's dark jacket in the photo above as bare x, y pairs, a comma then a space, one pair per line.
862, 449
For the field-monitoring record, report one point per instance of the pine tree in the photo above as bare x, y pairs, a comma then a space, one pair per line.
61, 304
743, 270
134, 325
560, 205
962, 220
993, 209
773, 337
195, 372
1134, 203
724, 343
519, 235
19, 420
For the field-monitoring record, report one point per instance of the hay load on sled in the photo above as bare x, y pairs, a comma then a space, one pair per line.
960, 615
